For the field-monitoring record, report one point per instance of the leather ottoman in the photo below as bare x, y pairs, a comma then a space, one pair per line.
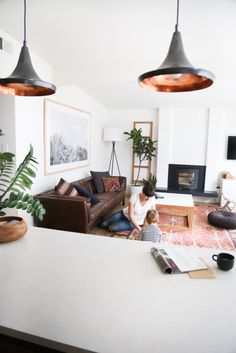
222, 219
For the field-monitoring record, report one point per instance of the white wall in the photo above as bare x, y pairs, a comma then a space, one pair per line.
22, 119
191, 136
10, 54
30, 113
222, 123
195, 136
7, 125
30, 129
125, 119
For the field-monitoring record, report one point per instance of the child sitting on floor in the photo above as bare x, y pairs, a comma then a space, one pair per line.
151, 231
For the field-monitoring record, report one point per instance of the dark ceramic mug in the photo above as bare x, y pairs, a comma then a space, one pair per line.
224, 261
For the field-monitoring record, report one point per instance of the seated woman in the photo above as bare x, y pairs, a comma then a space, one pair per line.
134, 215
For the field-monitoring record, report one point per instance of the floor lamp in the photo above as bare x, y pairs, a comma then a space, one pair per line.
113, 134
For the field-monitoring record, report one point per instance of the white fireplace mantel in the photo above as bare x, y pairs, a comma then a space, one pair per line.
195, 136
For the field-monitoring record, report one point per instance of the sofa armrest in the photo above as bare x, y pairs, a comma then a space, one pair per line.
69, 213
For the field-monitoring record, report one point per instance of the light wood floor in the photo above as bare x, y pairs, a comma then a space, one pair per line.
103, 232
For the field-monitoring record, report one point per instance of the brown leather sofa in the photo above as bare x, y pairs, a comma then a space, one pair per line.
75, 213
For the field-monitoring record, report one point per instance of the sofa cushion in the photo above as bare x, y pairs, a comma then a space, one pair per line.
84, 192
111, 184
97, 180
65, 188
108, 200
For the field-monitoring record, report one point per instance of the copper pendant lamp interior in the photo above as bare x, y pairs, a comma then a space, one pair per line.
176, 73
24, 81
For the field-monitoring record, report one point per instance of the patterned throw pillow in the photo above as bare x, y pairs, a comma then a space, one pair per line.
111, 184
65, 188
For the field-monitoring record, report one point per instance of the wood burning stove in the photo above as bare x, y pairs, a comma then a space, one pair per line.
186, 177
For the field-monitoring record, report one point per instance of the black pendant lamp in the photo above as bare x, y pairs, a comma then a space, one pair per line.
176, 73
24, 81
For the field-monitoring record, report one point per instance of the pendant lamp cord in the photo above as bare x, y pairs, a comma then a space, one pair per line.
177, 17
24, 42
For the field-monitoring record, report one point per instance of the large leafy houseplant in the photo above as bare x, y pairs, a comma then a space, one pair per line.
144, 148
14, 183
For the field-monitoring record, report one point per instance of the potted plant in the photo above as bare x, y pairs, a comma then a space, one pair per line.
13, 186
143, 147
152, 180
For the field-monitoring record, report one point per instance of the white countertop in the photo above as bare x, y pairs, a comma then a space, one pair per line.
108, 295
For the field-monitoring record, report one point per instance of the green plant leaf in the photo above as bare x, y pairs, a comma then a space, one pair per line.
29, 209
18, 186
26, 197
30, 200
24, 206
12, 204
19, 196
30, 172
12, 196
14, 183
4, 180
7, 156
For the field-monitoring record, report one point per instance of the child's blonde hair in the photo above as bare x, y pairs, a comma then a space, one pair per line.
152, 216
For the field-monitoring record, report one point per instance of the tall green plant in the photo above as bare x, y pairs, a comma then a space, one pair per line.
144, 148
13, 184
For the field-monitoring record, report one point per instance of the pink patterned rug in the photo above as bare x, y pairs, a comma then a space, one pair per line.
202, 234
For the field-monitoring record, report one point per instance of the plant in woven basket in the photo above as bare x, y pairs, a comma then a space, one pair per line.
14, 183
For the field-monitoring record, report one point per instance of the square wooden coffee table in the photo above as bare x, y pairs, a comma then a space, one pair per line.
176, 205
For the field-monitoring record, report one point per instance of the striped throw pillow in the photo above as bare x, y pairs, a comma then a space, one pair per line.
65, 188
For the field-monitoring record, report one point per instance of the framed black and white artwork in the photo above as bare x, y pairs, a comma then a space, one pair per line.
66, 137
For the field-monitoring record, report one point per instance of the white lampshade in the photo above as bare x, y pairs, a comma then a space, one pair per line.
112, 134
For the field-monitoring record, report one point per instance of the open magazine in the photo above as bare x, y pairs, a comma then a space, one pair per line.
177, 260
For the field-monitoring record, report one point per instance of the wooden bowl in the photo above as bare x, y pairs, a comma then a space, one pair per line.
12, 228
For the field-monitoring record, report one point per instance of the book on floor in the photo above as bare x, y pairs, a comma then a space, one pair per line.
177, 260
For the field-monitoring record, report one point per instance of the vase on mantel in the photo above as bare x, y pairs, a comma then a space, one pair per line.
12, 228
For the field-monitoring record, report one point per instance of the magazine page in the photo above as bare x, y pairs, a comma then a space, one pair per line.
165, 263
185, 260
177, 260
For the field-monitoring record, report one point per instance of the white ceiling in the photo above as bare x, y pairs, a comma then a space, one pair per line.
104, 45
